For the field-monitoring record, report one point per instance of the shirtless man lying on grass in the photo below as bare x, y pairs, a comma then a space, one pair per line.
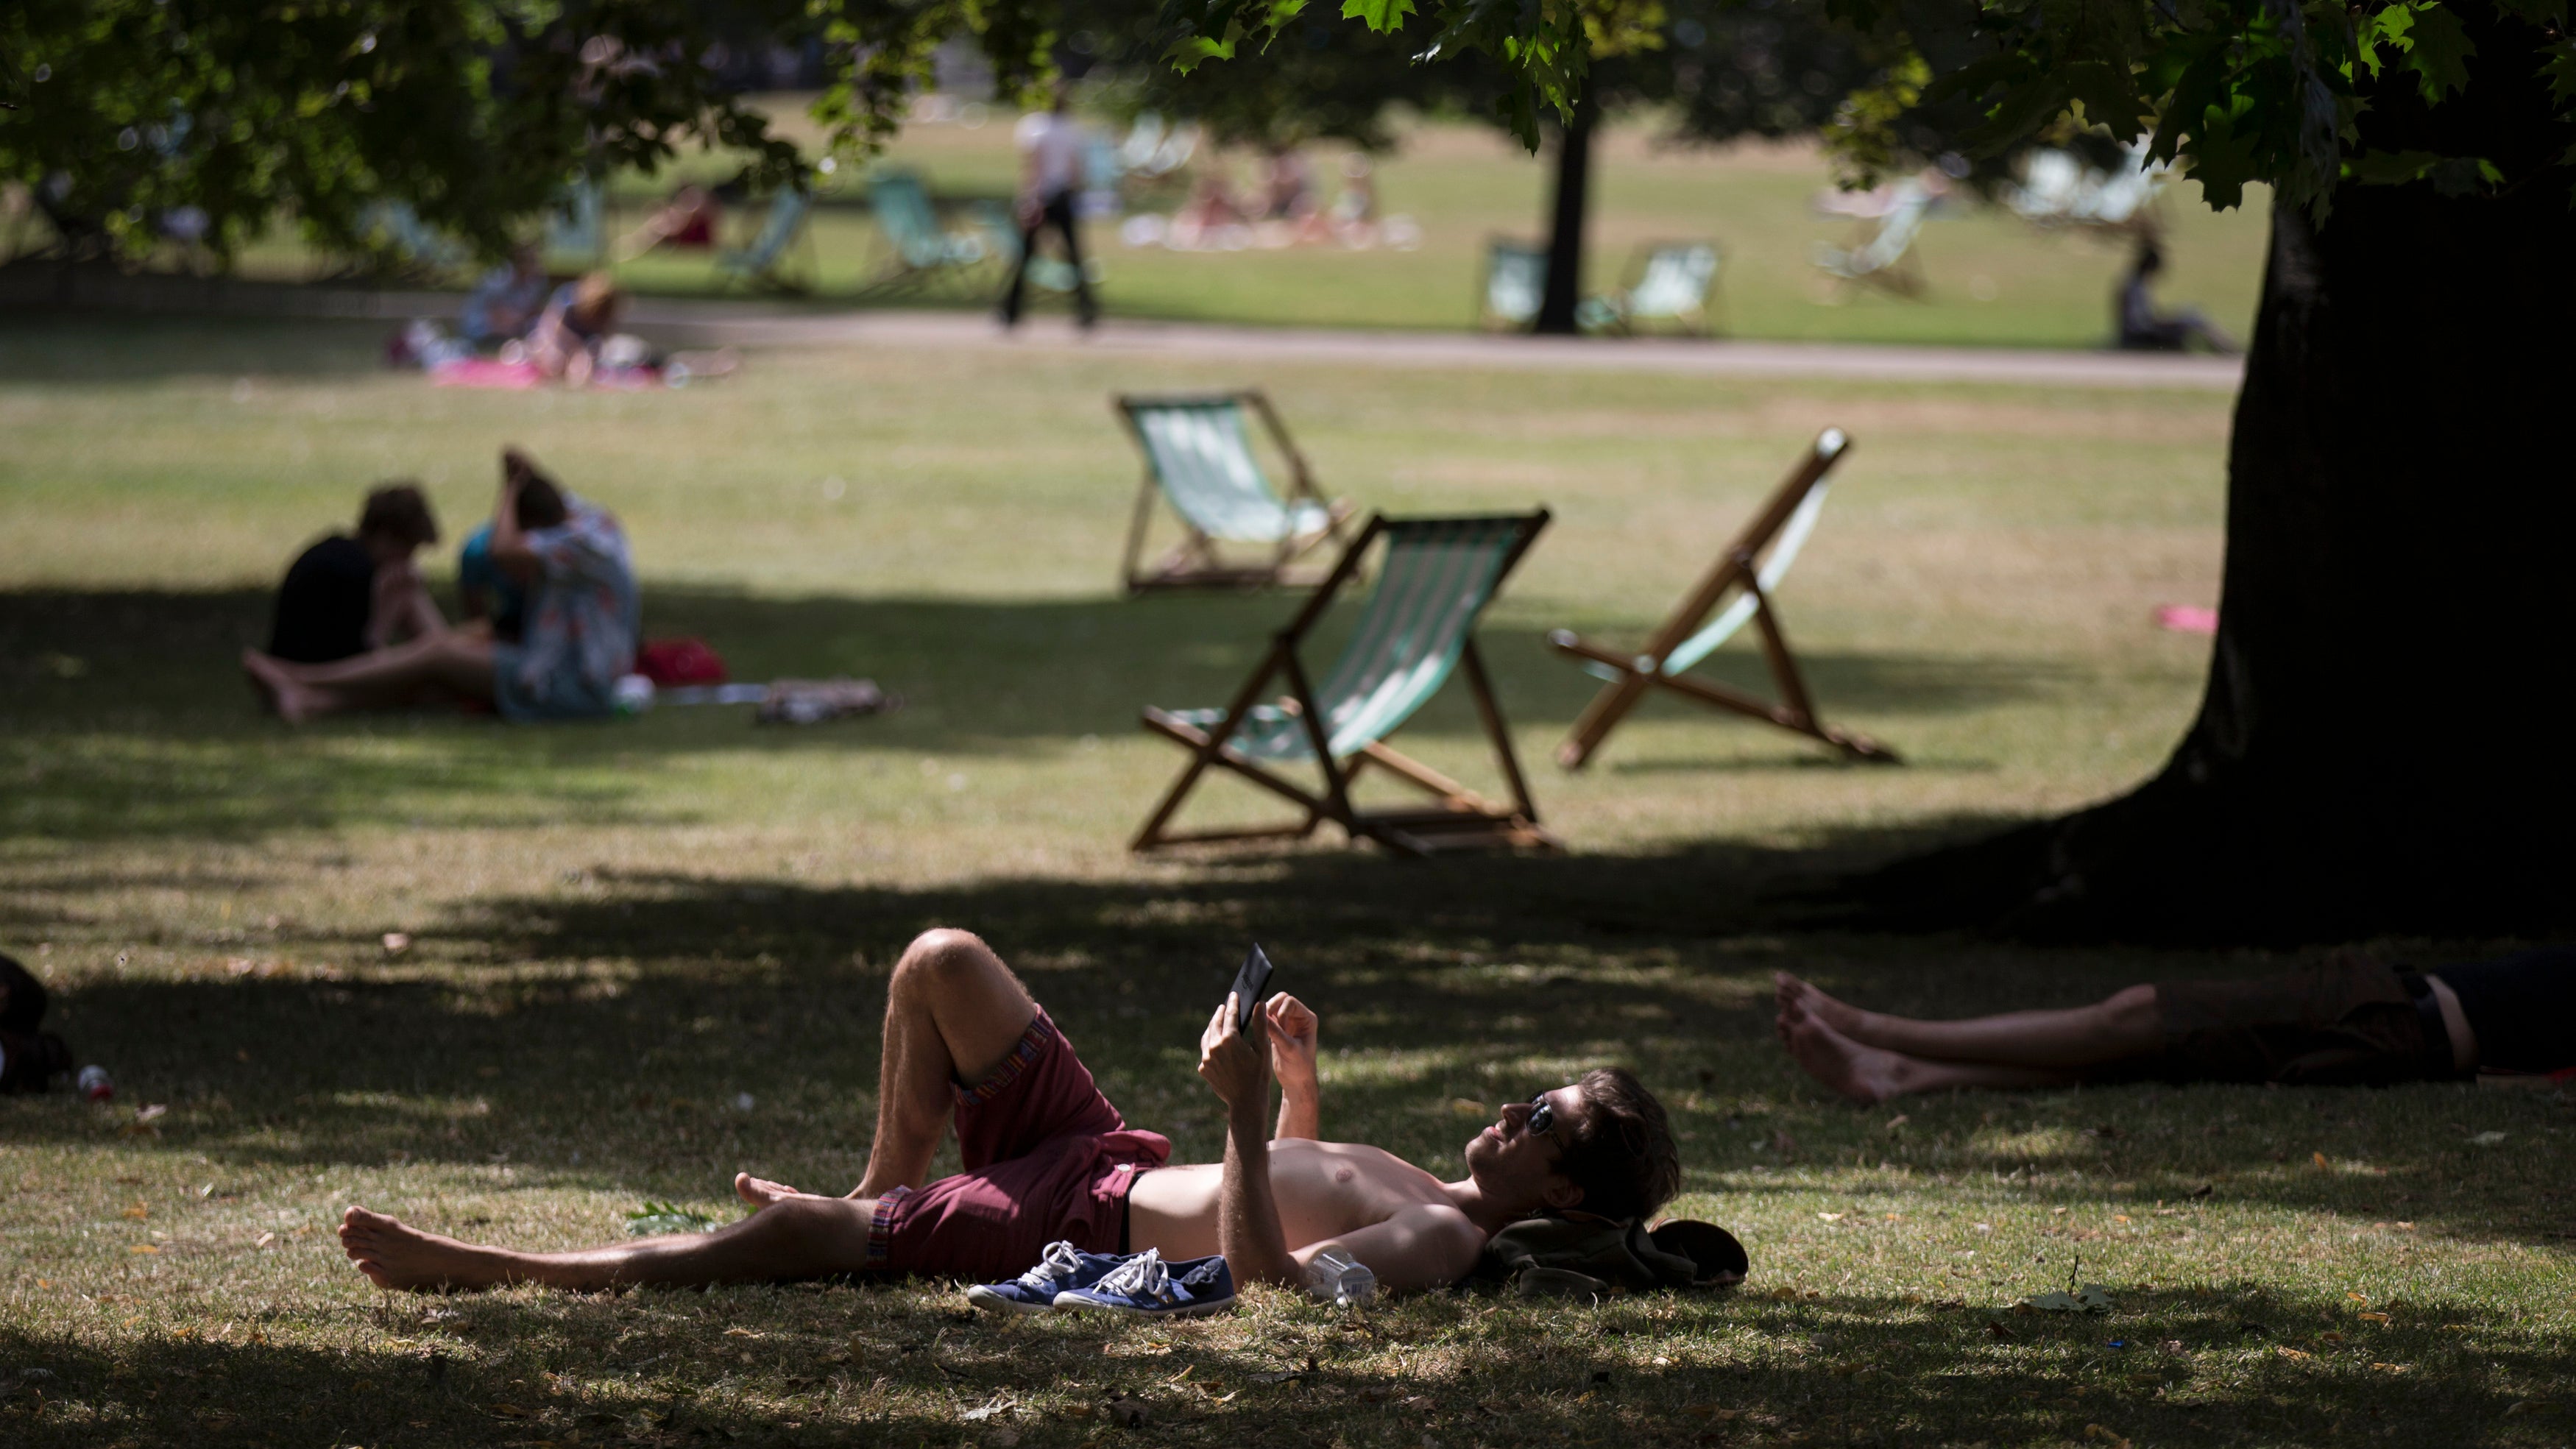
1048, 1158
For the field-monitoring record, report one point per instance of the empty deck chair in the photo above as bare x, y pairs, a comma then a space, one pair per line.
1886, 259
578, 224
765, 262
920, 251
1419, 625
1198, 456
1749, 570
1673, 284
1515, 283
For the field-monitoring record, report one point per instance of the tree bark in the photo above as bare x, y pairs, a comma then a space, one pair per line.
2384, 744
1566, 214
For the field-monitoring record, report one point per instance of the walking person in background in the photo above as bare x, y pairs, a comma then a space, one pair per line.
1050, 179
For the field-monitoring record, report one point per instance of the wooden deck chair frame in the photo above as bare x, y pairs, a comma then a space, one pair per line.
1194, 562
1460, 819
1738, 569
1486, 317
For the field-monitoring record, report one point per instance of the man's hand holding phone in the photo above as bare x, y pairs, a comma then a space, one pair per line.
1235, 1060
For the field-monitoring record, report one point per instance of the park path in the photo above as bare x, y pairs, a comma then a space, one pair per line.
714, 322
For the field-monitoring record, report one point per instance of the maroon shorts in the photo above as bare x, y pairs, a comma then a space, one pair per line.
1046, 1158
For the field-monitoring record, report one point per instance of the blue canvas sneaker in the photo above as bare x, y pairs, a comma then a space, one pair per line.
1034, 1291
1148, 1287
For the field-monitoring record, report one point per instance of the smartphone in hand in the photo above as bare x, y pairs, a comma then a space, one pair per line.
1251, 984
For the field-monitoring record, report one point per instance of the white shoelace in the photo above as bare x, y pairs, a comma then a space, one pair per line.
1059, 1264
1142, 1276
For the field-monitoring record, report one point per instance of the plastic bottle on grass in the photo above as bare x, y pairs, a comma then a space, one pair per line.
94, 1084
1335, 1277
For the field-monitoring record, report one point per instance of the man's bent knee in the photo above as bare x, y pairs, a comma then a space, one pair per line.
939, 956
2132, 1011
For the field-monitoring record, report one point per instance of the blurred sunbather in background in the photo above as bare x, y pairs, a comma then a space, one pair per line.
506, 303
344, 596
581, 619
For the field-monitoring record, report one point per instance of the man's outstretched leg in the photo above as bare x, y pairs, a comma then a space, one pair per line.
796, 1237
1870, 1057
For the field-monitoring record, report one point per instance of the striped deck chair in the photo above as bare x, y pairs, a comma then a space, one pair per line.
765, 261
1750, 569
920, 250
1198, 455
1435, 580
1886, 259
1675, 282
1515, 283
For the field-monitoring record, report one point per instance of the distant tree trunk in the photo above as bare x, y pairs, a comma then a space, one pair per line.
2386, 744
1565, 227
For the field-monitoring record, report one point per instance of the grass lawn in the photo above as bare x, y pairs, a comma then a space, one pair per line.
647, 954
1992, 280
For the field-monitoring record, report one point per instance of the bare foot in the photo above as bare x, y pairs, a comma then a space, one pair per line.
760, 1192
1863, 1074
395, 1256
1850, 1020
294, 702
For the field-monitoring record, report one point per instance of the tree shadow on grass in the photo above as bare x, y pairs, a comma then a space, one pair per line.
773, 1365
601, 1036
127, 715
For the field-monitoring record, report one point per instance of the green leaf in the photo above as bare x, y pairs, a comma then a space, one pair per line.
1382, 16
2439, 52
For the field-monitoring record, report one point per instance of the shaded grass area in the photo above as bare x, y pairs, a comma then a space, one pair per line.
622, 934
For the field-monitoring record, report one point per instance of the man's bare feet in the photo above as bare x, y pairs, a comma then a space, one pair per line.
294, 702
1863, 1074
1843, 1017
393, 1255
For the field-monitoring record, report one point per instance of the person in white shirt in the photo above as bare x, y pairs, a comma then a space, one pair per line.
1051, 144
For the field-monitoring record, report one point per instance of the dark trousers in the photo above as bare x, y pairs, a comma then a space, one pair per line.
1057, 213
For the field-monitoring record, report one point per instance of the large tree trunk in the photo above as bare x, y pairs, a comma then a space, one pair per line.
1565, 221
2386, 744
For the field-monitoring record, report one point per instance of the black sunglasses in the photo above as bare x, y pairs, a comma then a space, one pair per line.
1542, 1116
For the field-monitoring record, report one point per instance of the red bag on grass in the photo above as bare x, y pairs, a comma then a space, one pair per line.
669, 662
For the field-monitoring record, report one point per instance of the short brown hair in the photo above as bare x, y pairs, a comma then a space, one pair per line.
1621, 1150
398, 511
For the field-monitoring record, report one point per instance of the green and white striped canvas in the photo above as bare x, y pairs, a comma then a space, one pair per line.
1201, 453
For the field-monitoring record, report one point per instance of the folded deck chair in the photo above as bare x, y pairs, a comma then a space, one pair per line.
1436, 578
1750, 570
765, 261
1515, 283
1886, 259
1673, 282
1198, 454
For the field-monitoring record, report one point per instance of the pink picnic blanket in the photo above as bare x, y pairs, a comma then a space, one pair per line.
521, 376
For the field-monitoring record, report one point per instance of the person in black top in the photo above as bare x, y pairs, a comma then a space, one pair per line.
2144, 329
2346, 1020
344, 596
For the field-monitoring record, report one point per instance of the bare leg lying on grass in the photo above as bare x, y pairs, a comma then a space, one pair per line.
953, 1012
456, 660
2338, 1021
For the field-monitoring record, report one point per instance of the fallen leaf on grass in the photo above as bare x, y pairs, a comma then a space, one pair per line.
1712, 1412
2525, 1406
2091, 1298
1002, 1404
1899, 1120
2372, 1317
1830, 1217
508, 1411
2204, 1190
2331, 1337
2486, 1139
1283, 1376
143, 1248
2317, 1157
2394, 1368
2096, 1431
1995, 1329
2285, 1351
396, 943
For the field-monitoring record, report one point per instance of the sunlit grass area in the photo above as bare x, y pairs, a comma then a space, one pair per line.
646, 954
1992, 280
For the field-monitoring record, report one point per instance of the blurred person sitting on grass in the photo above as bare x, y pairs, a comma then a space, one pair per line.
2346, 1020
573, 337
1046, 1158
344, 596
506, 303
2144, 329
581, 621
